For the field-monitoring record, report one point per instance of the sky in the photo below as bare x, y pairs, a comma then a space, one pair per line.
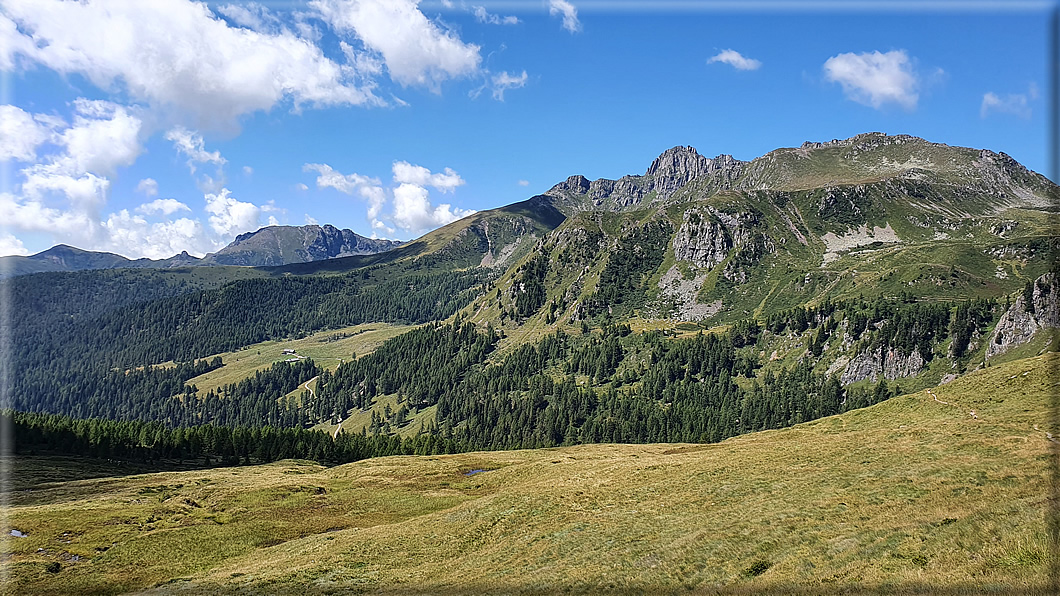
147, 128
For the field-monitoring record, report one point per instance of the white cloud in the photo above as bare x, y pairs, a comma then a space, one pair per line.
367, 187
135, 237
506, 80
329, 178
251, 15
414, 213
1017, 104
84, 190
484, 16
177, 56
310, 220
165, 206
20, 134
148, 186
74, 225
569, 13
229, 216
524, 183
248, 171
415, 49
9, 245
192, 145
406, 173
12, 43
412, 209
302, 187
735, 60
874, 79
103, 137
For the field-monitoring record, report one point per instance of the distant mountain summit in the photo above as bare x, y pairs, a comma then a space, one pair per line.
284, 245
273, 245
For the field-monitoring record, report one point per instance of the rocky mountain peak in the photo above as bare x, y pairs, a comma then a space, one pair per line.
679, 162
578, 184
680, 165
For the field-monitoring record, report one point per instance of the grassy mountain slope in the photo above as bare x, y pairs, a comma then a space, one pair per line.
913, 495
868, 216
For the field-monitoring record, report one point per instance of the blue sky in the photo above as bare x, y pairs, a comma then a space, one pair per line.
148, 128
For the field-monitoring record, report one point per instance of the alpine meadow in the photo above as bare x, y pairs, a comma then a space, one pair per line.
823, 368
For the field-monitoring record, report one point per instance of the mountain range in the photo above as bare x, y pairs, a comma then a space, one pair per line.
268, 246
882, 294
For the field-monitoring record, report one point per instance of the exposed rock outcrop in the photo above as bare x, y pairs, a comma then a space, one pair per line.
668, 173
706, 236
890, 364
701, 240
1019, 324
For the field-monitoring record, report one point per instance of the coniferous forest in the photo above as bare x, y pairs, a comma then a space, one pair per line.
603, 384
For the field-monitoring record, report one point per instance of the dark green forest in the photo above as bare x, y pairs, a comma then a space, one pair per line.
601, 385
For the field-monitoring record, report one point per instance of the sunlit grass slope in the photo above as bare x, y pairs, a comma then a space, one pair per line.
913, 495
327, 348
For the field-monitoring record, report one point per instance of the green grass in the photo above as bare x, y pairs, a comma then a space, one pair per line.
327, 348
908, 496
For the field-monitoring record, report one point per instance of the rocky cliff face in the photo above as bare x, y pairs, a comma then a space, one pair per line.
702, 240
667, 174
707, 236
890, 364
1021, 321
678, 166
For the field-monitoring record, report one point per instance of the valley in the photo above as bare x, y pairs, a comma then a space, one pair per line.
825, 370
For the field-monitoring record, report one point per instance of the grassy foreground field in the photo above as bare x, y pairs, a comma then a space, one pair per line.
913, 495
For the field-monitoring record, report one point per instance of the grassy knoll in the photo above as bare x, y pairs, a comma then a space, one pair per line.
326, 348
912, 495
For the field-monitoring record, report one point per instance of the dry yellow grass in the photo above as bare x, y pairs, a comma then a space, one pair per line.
909, 496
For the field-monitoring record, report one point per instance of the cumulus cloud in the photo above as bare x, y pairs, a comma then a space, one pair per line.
21, 133
310, 220
177, 56
164, 206
484, 16
134, 236
413, 211
9, 245
568, 12
736, 60
366, 187
229, 216
416, 51
1017, 104
75, 225
103, 137
406, 173
524, 183
248, 171
148, 187
409, 197
875, 78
